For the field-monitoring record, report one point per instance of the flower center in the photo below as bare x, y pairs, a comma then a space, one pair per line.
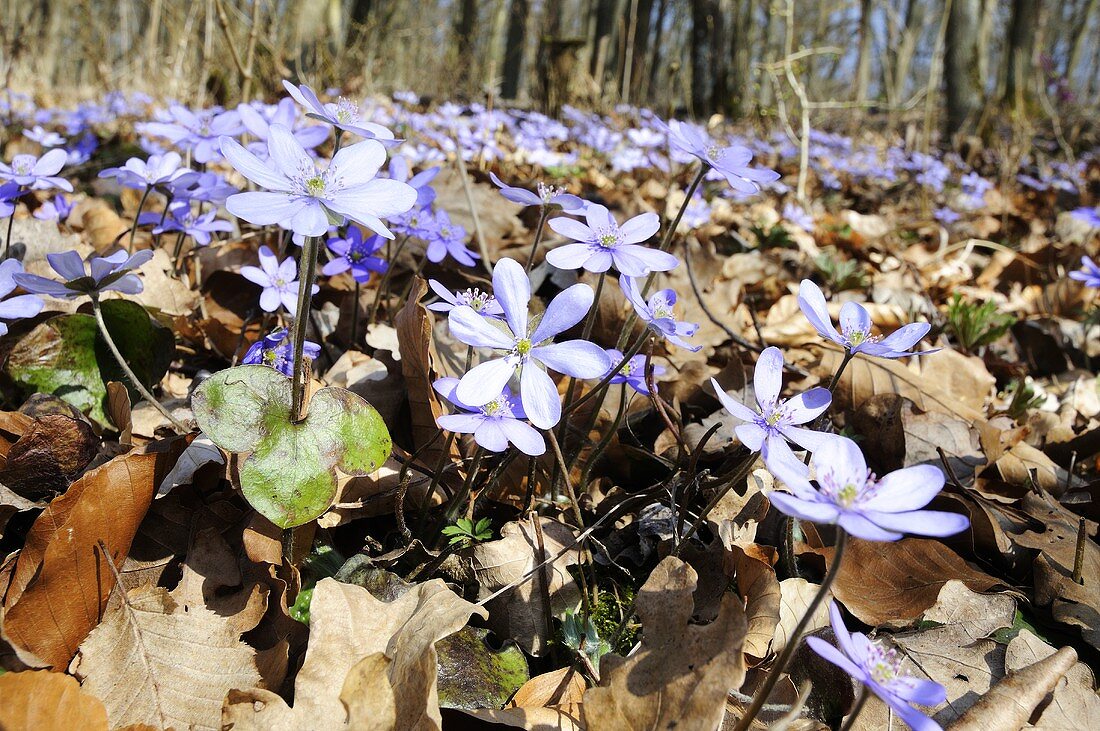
884, 664
22, 165
347, 111
475, 298
607, 238
858, 337
546, 192
712, 152
522, 347
495, 407
627, 369
662, 311
315, 186
280, 283
845, 491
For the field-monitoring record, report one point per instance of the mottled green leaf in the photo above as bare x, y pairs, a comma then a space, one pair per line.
474, 675
290, 475
66, 355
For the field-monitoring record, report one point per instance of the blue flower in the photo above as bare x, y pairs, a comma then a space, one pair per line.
276, 350
658, 314
1089, 273
605, 244
356, 254
855, 326
112, 273
494, 424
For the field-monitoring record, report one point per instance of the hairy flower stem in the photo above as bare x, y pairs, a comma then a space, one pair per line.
848, 356
741, 474
601, 387
569, 491
307, 272
784, 658
164, 215
861, 701
384, 285
98, 312
437, 474
460, 497
605, 439
336, 143
590, 321
355, 317
134, 228
543, 213
7, 239
177, 255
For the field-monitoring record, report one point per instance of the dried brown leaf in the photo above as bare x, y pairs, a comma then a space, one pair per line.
681, 674
1010, 703
61, 581
40, 700
154, 661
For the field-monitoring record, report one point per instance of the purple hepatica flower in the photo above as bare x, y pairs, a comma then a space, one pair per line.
946, 216
795, 214
768, 430
855, 326
480, 302
157, 170
658, 314
343, 115
276, 350
548, 195
421, 182
732, 161
20, 306
112, 273
37, 173
449, 238
633, 373
44, 137
604, 244
307, 200
494, 424
198, 132
525, 348
285, 113
355, 253
9, 194
181, 217
849, 495
879, 669
1091, 216
279, 280
1089, 273
201, 187
56, 210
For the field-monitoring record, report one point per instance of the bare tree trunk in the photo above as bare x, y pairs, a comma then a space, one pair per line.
465, 23
639, 91
719, 54
1077, 45
514, 46
742, 41
863, 65
964, 95
773, 34
701, 36
655, 60
914, 26
1018, 67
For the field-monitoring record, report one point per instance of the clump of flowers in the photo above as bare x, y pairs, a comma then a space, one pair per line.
277, 351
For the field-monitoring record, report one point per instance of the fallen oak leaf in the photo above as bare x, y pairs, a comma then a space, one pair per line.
548, 701
681, 674
347, 625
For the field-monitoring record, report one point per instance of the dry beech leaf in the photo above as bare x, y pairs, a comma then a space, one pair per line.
1010, 703
40, 700
548, 701
680, 675
796, 595
893, 583
164, 292
61, 581
762, 595
157, 662
49, 455
414, 333
520, 614
348, 625
1073, 703
965, 377
975, 616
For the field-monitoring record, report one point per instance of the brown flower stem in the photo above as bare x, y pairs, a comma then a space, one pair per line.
307, 272
138, 385
850, 722
761, 696
7, 239
538, 237
141, 205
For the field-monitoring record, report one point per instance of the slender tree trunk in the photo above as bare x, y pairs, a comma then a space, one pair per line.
655, 60
964, 96
701, 37
639, 91
863, 65
742, 41
719, 54
465, 23
515, 42
910, 36
1077, 45
1019, 72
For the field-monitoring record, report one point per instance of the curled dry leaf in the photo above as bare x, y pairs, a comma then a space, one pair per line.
893, 583
762, 595
61, 581
1010, 703
40, 700
551, 701
1073, 702
48, 456
348, 625
154, 661
521, 613
680, 675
